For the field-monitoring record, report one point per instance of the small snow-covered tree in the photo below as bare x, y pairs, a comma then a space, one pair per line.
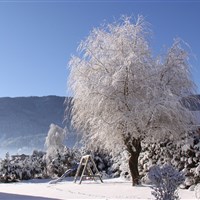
166, 180
122, 95
54, 141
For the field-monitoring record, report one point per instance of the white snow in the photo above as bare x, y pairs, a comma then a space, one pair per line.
110, 189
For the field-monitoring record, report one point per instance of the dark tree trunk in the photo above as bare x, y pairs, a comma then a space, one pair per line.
133, 166
134, 148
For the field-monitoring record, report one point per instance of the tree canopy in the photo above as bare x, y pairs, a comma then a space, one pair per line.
122, 92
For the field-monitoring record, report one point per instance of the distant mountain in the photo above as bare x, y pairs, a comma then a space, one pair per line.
192, 102
25, 121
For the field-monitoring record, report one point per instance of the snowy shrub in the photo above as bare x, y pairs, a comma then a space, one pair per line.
39, 164
108, 163
103, 161
62, 161
185, 160
22, 167
6, 170
119, 167
166, 179
102, 158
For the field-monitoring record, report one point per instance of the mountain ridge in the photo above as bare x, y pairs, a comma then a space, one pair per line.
27, 119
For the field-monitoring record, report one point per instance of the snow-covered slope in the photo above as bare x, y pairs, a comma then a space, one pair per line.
25, 121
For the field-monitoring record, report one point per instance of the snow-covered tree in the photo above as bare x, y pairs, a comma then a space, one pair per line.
54, 141
166, 180
123, 95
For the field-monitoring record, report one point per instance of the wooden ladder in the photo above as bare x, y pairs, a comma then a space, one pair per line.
86, 162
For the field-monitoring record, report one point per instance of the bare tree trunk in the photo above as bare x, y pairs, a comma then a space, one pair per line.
133, 166
134, 149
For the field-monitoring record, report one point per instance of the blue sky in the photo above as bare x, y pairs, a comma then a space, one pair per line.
37, 38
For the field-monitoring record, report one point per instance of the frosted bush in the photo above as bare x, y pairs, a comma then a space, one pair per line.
22, 167
166, 180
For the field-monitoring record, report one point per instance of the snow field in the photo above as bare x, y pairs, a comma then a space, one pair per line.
110, 189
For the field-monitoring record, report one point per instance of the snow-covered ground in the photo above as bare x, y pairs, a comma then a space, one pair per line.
110, 189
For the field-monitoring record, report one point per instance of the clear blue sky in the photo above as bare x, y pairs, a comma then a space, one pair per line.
37, 38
